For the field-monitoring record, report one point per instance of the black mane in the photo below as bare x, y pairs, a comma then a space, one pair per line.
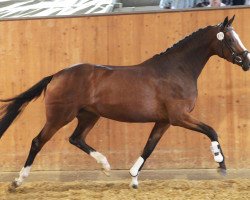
185, 39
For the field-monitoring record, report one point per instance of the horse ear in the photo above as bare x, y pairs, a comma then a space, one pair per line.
231, 21
224, 24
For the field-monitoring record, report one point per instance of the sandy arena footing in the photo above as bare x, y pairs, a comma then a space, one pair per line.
154, 184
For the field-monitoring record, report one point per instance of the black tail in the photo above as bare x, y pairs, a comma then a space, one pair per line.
16, 105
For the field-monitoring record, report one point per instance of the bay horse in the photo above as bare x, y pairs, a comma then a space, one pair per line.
162, 89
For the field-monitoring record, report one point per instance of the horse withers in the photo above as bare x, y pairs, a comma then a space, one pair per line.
162, 89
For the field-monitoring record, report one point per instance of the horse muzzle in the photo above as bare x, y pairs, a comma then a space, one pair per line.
246, 62
245, 67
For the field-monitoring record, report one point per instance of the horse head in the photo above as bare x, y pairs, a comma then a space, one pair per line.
230, 46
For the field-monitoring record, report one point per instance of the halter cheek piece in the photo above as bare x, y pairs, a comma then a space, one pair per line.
237, 58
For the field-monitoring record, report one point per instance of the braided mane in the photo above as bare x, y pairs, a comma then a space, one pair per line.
186, 39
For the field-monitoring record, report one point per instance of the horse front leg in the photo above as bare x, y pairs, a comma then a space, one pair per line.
156, 134
86, 122
187, 121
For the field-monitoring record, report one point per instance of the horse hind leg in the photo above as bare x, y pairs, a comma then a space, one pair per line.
54, 122
86, 121
37, 143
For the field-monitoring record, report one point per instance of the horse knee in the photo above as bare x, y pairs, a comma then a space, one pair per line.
209, 131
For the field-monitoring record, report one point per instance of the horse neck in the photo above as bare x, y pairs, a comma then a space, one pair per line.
190, 55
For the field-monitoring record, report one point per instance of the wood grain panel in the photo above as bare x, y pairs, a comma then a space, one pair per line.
32, 49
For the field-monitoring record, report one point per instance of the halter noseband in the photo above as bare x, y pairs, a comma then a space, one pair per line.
237, 58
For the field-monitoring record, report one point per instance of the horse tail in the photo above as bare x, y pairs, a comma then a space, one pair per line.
16, 105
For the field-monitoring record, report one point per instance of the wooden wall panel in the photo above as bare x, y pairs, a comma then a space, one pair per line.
32, 49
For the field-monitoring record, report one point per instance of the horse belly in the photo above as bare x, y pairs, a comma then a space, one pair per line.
124, 114
130, 108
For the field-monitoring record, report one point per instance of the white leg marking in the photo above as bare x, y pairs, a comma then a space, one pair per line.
134, 182
24, 173
134, 170
216, 151
101, 159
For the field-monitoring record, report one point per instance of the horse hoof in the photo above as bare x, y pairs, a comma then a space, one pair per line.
106, 172
222, 172
134, 186
12, 187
